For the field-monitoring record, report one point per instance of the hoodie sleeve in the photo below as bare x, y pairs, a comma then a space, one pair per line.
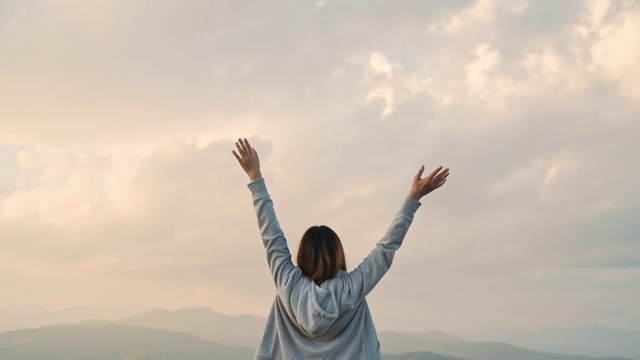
278, 255
366, 276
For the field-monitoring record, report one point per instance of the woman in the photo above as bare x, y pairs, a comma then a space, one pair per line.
320, 311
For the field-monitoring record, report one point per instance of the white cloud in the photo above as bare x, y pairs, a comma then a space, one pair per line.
380, 65
479, 12
617, 54
596, 10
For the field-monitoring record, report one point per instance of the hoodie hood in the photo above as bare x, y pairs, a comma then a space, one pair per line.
318, 307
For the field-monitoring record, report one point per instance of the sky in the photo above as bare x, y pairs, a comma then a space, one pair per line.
118, 185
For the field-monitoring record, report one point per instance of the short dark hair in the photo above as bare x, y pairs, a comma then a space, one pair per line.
320, 254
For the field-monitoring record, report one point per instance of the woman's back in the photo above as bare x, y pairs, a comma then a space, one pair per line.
309, 325
330, 320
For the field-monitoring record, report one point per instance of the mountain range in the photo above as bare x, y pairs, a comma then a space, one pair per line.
25, 316
104, 341
203, 333
591, 340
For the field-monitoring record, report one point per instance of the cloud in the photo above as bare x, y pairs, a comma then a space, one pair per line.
616, 56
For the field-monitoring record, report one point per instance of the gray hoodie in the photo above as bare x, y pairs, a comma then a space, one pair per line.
328, 321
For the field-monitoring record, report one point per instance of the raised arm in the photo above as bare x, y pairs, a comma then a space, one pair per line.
275, 243
367, 275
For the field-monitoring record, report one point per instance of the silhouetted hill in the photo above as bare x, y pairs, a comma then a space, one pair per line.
588, 340
99, 340
398, 343
419, 356
439, 336
26, 316
241, 330
203, 331
112, 342
246, 330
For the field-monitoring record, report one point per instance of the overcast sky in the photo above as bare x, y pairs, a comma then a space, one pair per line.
118, 186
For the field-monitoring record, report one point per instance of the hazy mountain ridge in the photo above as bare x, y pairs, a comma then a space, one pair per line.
197, 322
112, 342
27, 316
419, 356
590, 340
425, 335
241, 330
398, 344
217, 329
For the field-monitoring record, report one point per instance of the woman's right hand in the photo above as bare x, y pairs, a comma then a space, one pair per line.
248, 159
422, 187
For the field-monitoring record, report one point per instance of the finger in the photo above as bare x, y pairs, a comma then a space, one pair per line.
419, 174
440, 176
249, 148
434, 172
245, 145
236, 155
240, 149
254, 152
440, 183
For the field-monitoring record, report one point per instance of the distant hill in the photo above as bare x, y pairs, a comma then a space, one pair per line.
240, 330
438, 336
427, 335
246, 330
399, 343
587, 340
99, 340
419, 356
214, 329
112, 342
27, 316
